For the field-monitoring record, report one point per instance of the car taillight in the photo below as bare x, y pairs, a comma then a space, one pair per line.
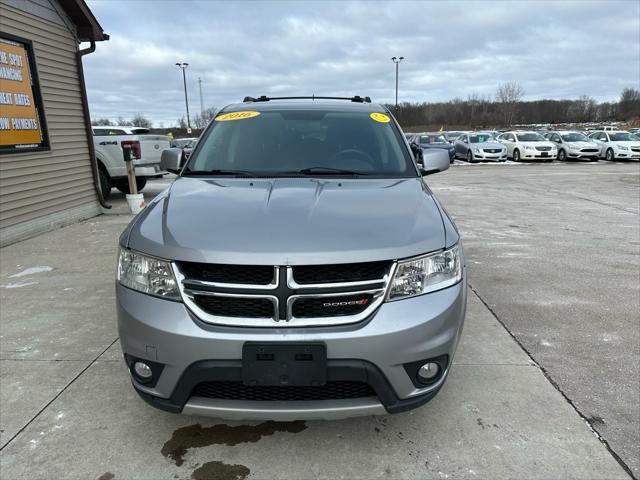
134, 145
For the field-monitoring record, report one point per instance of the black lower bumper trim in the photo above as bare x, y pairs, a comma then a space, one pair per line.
337, 370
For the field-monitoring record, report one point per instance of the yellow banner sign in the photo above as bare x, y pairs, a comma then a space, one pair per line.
20, 125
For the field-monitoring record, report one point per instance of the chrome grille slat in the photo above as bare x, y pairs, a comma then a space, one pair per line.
283, 293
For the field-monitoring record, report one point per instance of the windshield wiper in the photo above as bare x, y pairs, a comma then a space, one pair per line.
244, 173
329, 171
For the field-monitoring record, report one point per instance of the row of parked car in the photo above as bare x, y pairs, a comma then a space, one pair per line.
521, 145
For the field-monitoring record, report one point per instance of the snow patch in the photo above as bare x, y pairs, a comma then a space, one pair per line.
31, 271
19, 284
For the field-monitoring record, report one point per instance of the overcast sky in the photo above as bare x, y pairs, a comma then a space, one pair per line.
554, 49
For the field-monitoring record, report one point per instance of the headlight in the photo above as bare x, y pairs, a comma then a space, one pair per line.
477, 150
620, 147
147, 275
426, 274
529, 147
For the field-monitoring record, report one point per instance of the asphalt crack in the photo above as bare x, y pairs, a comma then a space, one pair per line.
588, 421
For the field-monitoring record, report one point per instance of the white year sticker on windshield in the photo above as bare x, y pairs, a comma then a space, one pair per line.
236, 116
380, 117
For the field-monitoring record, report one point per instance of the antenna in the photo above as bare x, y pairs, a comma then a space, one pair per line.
201, 100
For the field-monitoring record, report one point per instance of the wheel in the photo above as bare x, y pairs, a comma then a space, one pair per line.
516, 155
609, 156
470, 156
105, 183
124, 187
562, 155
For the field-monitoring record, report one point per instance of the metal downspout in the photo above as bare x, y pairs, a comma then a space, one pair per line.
87, 124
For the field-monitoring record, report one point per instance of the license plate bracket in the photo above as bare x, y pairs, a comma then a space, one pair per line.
284, 364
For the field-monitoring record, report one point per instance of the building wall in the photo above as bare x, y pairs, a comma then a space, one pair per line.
40, 191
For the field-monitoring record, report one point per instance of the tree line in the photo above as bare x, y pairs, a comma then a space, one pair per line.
504, 109
507, 108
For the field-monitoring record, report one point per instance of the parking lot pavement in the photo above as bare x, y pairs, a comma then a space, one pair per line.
553, 250
67, 409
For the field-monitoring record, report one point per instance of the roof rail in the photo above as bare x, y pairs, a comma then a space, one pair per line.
264, 98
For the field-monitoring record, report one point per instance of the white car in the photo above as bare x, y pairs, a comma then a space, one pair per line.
617, 144
574, 145
523, 145
145, 147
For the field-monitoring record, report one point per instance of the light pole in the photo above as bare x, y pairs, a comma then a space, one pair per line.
184, 66
397, 61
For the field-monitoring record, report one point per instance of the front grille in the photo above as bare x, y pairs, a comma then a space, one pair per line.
589, 150
635, 149
492, 150
543, 149
331, 306
235, 306
345, 272
238, 391
221, 273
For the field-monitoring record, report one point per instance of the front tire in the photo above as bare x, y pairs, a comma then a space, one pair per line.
562, 155
105, 183
470, 157
140, 184
609, 156
516, 155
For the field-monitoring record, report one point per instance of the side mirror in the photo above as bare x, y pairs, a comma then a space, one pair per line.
417, 153
171, 160
434, 161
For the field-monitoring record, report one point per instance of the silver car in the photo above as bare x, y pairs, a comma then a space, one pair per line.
574, 145
479, 147
297, 268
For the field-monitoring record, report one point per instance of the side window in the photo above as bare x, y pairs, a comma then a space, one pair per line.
511, 137
556, 138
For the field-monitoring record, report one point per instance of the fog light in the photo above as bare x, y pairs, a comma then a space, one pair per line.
142, 370
428, 371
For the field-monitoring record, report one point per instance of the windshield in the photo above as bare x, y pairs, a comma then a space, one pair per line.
302, 142
480, 138
432, 139
575, 137
623, 137
530, 137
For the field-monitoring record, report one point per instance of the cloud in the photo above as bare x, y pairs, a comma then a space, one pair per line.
451, 49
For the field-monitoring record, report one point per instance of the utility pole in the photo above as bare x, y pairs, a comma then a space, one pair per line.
201, 100
184, 66
397, 62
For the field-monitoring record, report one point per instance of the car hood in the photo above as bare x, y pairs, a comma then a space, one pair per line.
484, 145
577, 145
447, 146
539, 144
629, 143
289, 221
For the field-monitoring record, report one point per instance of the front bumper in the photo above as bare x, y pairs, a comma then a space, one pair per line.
537, 155
374, 351
579, 155
490, 157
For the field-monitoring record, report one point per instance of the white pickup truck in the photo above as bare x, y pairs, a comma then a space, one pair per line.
146, 150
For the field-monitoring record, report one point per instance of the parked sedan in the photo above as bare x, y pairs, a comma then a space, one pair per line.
617, 144
522, 145
574, 145
479, 147
432, 140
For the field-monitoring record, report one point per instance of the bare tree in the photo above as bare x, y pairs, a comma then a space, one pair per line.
122, 122
202, 120
629, 105
508, 95
101, 122
139, 120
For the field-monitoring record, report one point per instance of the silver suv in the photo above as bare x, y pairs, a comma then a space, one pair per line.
297, 268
